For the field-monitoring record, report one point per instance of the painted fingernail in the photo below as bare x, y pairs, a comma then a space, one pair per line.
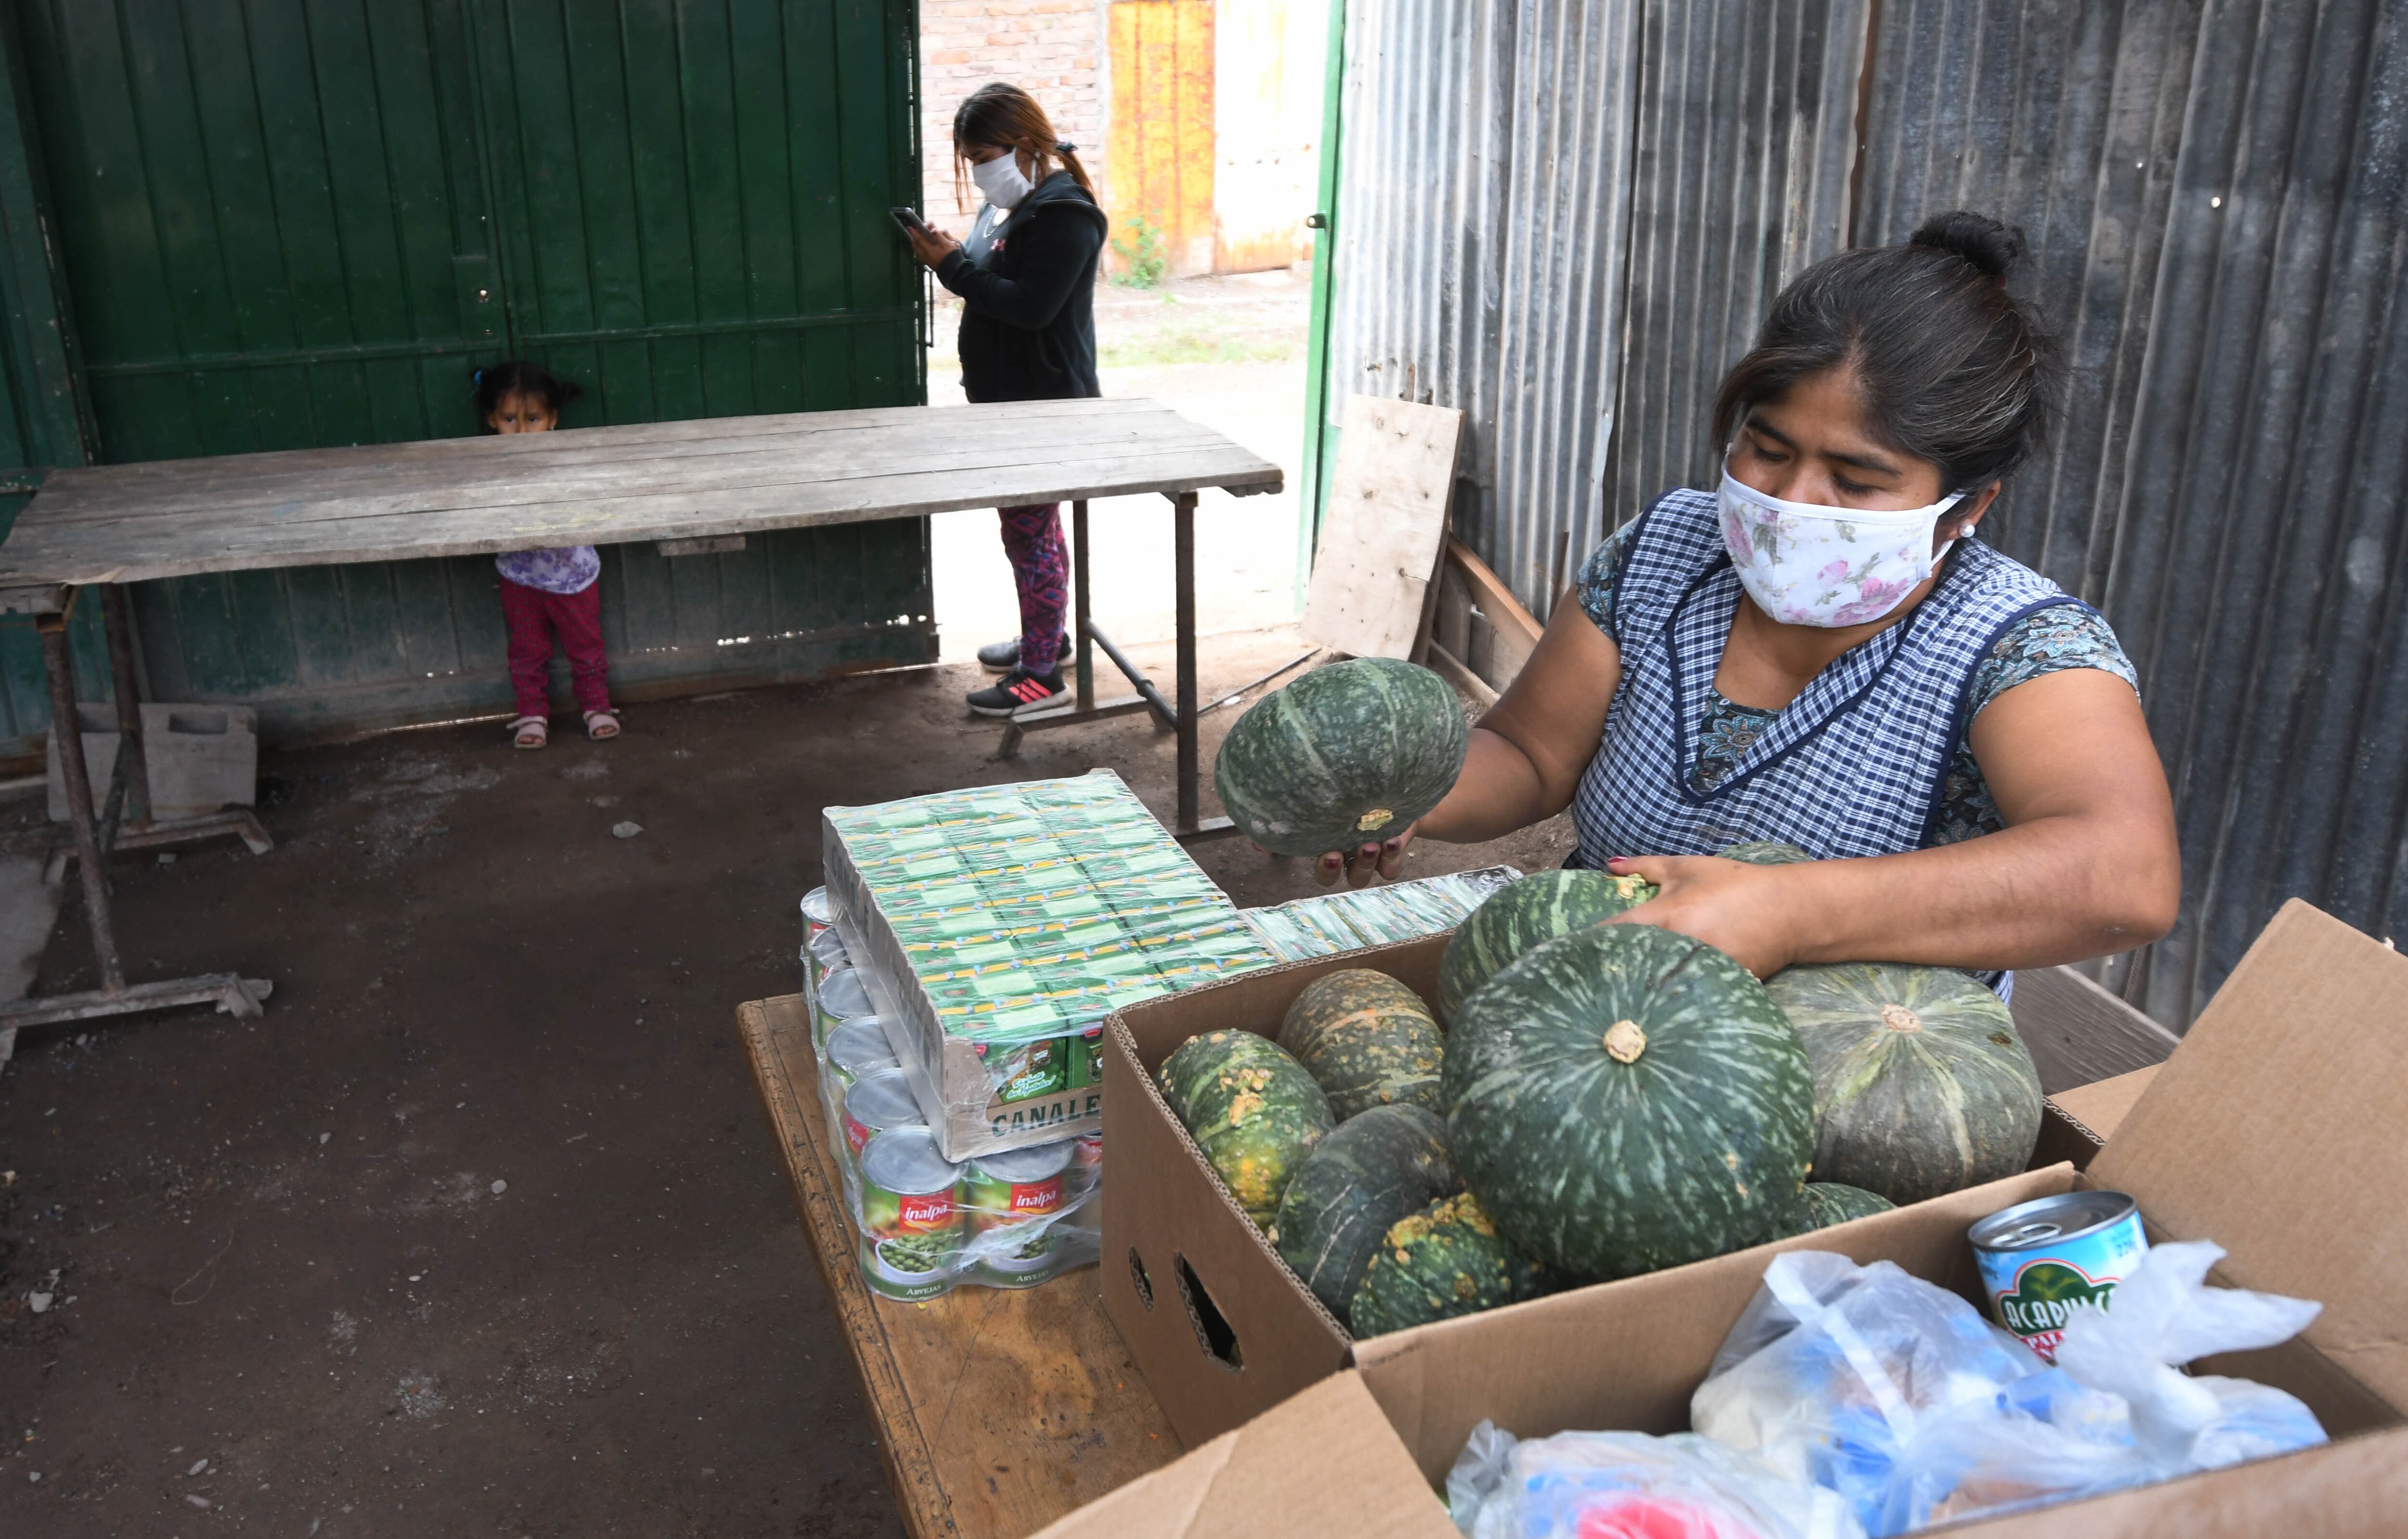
1331, 862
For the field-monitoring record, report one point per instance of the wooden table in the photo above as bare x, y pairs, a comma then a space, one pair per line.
998, 1411
107, 526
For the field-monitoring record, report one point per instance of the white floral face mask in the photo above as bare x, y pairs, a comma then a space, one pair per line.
1808, 565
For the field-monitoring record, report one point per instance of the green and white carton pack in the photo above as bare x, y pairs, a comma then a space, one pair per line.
1381, 915
995, 927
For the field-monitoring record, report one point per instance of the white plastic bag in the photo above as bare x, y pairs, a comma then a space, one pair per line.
1833, 1368
1897, 1395
2116, 1411
1630, 1485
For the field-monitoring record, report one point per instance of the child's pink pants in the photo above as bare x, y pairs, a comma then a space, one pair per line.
536, 619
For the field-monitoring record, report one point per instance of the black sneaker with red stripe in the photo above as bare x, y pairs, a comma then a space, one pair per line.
1019, 690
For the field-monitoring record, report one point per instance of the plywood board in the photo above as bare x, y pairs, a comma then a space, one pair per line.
605, 486
1383, 528
998, 1411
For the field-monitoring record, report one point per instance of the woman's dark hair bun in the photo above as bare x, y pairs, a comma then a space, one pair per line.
1992, 247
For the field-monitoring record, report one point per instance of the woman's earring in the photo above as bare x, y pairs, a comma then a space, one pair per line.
1964, 531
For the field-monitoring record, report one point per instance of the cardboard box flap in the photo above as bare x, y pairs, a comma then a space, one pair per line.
1322, 1462
2272, 1130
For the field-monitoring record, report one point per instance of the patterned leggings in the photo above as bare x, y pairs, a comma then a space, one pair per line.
1040, 569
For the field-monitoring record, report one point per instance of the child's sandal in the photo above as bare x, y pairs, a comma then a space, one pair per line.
601, 725
529, 732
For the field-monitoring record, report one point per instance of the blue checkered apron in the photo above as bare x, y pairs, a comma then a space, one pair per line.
1857, 765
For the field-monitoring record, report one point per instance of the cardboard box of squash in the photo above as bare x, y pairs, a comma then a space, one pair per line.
2272, 1130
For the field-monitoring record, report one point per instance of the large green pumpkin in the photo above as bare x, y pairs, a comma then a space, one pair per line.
1348, 755
1251, 1108
1829, 1203
1624, 1099
1520, 914
1920, 1085
1367, 1039
1376, 1170
1444, 1261
1764, 852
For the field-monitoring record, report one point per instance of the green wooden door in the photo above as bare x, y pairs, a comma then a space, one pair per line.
296, 223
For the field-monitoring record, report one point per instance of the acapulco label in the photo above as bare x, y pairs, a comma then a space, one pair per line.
2043, 1299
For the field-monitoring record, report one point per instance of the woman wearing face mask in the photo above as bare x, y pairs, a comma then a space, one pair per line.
1028, 282
1823, 652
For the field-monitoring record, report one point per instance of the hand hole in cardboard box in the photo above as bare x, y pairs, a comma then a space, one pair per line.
1211, 1326
1144, 1284
197, 724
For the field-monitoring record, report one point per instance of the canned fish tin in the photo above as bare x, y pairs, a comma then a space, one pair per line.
818, 914
1013, 1197
858, 1049
826, 954
841, 996
2039, 1259
881, 1103
910, 1215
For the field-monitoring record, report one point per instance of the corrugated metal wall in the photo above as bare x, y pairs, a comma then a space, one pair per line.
1744, 123
2259, 567
2212, 190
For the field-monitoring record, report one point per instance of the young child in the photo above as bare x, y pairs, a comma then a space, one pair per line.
547, 595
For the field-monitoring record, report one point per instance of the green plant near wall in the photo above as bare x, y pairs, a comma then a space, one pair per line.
1144, 255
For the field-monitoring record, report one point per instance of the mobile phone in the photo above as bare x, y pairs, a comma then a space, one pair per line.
908, 221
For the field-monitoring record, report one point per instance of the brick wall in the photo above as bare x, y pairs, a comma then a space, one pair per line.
1052, 48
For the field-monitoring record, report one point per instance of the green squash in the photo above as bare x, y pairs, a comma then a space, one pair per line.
1624, 1099
1829, 1203
1520, 914
1251, 1108
1765, 852
1922, 1086
1446, 1260
1367, 1039
1374, 1171
1348, 755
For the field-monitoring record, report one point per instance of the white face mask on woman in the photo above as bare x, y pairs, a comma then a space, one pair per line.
1808, 565
1002, 181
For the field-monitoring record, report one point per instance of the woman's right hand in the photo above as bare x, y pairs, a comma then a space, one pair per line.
1362, 865
931, 246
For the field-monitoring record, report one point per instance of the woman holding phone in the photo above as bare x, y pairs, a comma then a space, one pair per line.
1026, 278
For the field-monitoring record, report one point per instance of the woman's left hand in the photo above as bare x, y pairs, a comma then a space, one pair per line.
931, 245
1745, 911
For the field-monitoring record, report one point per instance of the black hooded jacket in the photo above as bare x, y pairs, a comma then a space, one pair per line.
1028, 281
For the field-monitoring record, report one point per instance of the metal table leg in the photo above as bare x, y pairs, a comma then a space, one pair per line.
229, 992
1087, 696
1182, 717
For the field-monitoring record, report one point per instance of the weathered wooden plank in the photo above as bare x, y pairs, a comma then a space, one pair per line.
998, 1412
2078, 1033
774, 462
80, 557
1382, 534
643, 438
475, 497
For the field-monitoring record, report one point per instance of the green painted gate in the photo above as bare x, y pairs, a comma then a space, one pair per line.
284, 223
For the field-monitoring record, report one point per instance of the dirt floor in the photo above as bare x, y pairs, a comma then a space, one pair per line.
479, 1231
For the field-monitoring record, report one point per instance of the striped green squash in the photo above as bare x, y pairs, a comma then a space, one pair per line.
1376, 1170
1348, 755
1829, 1203
1251, 1109
1921, 1083
1765, 852
1367, 1039
1624, 1099
1446, 1260
1520, 914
